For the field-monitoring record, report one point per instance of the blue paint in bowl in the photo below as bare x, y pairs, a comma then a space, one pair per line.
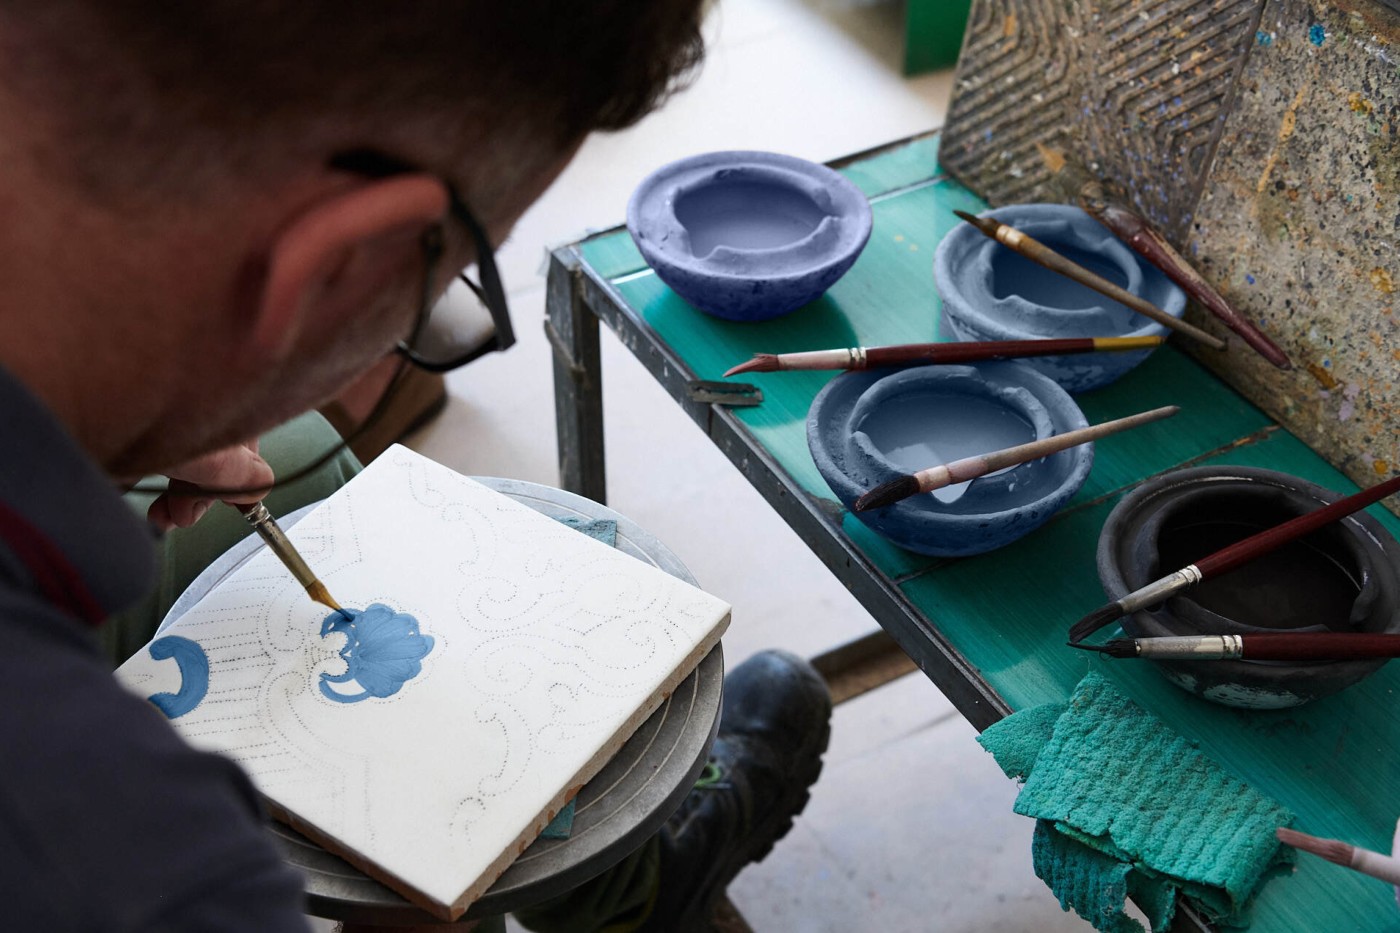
748, 236
868, 427
991, 292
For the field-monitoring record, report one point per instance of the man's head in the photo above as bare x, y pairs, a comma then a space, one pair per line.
185, 157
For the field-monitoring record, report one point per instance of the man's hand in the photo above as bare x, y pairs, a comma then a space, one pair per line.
238, 466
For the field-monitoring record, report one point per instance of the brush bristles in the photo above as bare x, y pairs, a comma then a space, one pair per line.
1094, 621
1120, 647
761, 363
888, 493
1331, 849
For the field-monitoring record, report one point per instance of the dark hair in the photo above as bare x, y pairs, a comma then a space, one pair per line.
221, 74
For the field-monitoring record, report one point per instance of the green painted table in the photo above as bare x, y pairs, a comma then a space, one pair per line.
990, 630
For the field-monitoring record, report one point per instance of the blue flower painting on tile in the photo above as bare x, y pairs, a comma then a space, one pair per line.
194, 674
383, 651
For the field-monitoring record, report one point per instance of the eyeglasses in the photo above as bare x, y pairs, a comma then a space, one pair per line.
448, 332
442, 338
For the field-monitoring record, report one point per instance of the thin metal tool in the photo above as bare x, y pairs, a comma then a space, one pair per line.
733, 394
267, 528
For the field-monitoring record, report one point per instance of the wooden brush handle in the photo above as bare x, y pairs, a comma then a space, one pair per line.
1319, 646
971, 351
974, 350
1271, 539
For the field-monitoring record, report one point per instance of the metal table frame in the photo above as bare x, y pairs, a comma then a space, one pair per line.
576, 300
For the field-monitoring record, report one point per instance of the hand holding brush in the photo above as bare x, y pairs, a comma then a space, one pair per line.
1228, 558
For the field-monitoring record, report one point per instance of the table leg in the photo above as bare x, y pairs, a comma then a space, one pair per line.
578, 380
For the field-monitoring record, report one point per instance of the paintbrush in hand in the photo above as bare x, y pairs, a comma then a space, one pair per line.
1152, 246
1262, 646
969, 468
267, 528
1375, 864
1228, 558
920, 354
1038, 252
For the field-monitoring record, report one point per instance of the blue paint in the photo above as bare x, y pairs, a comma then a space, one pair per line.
1317, 35
383, 651
748, 236
865, 428
992, 293
194, 675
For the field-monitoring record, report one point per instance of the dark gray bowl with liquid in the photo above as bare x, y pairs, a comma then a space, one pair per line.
1344, 577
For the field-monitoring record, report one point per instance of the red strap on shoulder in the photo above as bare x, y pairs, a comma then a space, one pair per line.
57, 579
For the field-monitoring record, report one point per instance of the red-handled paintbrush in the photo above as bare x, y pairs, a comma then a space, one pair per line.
1228, 558
1262, 646
920, 354
1150, 245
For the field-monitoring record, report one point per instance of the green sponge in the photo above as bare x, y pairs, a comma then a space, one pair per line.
1118, 785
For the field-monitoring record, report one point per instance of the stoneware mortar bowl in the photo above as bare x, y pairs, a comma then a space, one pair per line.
867, 427
991, 292
1344, 577
748, 236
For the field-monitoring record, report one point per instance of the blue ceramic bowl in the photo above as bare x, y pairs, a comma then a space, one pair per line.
748, 236
867, 427
993, 293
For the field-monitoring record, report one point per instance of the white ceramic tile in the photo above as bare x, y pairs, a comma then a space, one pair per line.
485, 628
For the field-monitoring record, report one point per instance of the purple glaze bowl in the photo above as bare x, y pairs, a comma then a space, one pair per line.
748, 236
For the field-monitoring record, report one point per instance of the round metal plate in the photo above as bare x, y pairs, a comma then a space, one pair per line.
615, 812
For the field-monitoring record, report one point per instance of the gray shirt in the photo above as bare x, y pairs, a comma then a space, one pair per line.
108, 820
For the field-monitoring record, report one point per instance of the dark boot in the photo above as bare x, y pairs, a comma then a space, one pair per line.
773, 729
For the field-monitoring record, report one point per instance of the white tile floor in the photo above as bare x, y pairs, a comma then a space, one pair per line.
910, 827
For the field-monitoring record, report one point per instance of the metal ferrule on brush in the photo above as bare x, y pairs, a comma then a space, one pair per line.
1186, 647
266, 527
852, 358
1160, 590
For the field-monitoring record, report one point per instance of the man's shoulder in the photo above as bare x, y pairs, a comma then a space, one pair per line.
107, 817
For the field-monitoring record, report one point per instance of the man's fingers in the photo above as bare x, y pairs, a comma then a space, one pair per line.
190, 492
234, 467
177, 510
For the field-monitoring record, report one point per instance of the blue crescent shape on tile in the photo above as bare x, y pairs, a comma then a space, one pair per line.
383, 651
194, 675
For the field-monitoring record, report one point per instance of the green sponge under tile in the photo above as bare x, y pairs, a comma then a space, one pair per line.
1099, 782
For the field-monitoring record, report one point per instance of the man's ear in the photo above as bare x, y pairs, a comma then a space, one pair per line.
310, 258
